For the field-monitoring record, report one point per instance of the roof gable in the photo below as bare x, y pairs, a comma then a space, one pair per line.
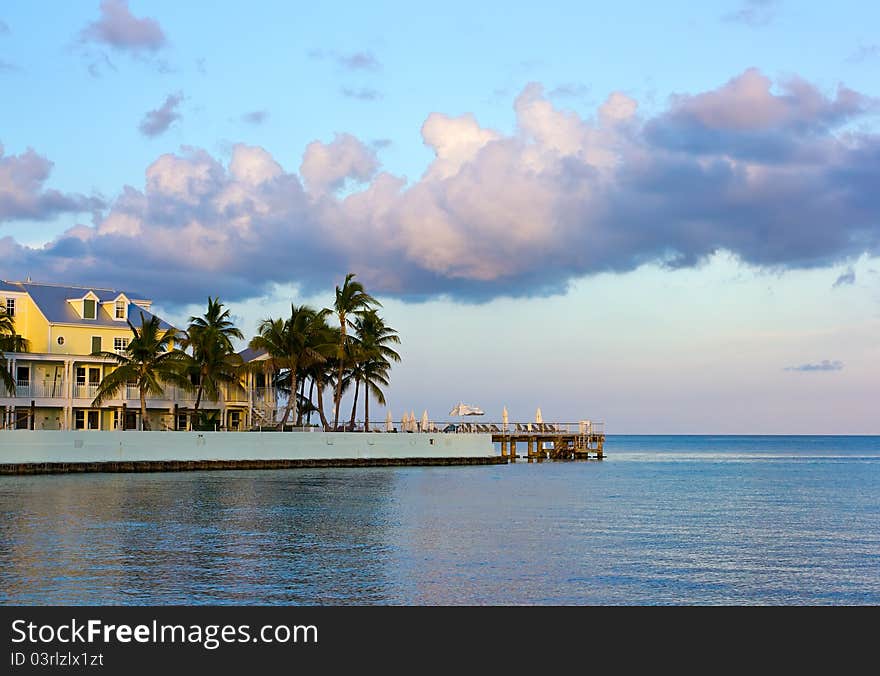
52, 301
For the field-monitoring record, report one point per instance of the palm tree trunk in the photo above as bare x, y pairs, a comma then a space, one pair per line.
354, 403
324, 422
311, 405
291, 400
366, 405
302, 394
145, 424
341, 354
198, 398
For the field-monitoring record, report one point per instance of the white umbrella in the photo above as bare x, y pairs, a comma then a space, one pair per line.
538, 417
404, 422
425, 421
464, 409
389, 423
412, 421
504, 418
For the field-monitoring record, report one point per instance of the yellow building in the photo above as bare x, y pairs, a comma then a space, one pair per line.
57, 378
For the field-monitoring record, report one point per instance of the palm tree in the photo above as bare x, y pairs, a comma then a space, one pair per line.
148, 361
293, 345
374, 341
323, 373
9, 342
351, 299
213, 359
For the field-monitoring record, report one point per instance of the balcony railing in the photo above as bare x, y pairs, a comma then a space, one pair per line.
39, 388
85, 391
36, 389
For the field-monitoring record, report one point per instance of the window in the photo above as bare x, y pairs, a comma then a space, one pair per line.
94, 420
120, 309
61, 340
96, 344
119, 345
80, 420
89, 309
181, 421
23, 375
234, 420
10, 307
94, 376
80, 375
22, 419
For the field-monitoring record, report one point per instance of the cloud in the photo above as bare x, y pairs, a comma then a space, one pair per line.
4, 28
571, 90
255, 117
359, 61
120, 29
363, 94
157, 121
23, 195
864, 53
99, 61
327, 166
7, 67
824, 365
354, 61
773, 174
380, 143
754, 13
847, 278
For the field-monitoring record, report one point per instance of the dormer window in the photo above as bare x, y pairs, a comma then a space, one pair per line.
89, 309
120, 309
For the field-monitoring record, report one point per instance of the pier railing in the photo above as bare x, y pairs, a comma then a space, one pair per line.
513, 429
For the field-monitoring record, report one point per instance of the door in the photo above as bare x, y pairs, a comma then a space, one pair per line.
94, 418
23, 381
94, 380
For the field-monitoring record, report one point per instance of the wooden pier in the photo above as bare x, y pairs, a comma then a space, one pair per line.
582, 440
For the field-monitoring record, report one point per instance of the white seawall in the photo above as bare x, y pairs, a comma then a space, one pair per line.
26, 447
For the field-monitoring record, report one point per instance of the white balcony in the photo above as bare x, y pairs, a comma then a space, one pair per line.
85, 391
39, 389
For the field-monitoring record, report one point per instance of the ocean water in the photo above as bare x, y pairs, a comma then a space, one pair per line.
663, 520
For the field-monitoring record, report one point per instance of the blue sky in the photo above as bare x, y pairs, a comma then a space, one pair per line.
660, 215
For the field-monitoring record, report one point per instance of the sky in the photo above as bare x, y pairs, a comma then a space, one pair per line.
664, 216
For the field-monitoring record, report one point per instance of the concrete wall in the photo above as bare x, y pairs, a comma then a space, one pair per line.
44, 446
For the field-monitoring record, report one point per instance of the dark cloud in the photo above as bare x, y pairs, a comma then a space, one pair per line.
744, 118
847, 278
754, 13
157, 121
255, 117
118, 28
362, 94
494, 214
23, 195
824, 365
359, 61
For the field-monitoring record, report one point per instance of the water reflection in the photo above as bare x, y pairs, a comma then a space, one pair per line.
691, 521
215, 537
